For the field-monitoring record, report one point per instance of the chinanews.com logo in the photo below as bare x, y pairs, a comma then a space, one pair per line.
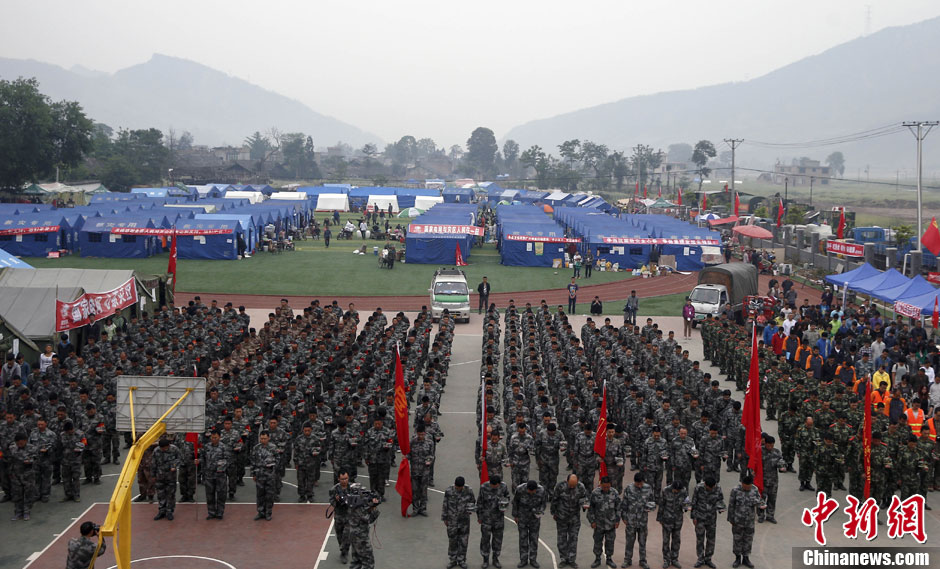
903, 517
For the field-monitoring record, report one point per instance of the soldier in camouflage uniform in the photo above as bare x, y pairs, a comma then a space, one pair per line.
672, 506
742, 511
341, 513
495, 455
548, 451
342, 450
908, 469
520, 448
46, 443
828, 463
22, 457
616, 456
264, 471
82, 549
789, 422
491, 506
772, 463
634, 511
363, 511
655, 460
682, 458
528, 505
166, 462
378, 451
585, 459
187, 468
215, 458
307, 450
806, 442
707, 502
604, 516
72, 443
568, 499
421, 458
459, 502
712, 449
94, 428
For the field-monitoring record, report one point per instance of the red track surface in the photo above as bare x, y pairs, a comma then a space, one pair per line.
236, 541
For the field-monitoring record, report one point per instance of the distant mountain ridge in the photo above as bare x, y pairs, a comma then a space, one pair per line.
887, 77
167, 92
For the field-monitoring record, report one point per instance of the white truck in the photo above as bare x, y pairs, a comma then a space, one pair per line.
449, 291
723, 284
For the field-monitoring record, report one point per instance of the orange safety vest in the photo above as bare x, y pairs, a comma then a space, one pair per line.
877, 397
932, 426
915, 420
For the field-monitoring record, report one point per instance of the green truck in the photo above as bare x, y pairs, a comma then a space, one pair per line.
449, 291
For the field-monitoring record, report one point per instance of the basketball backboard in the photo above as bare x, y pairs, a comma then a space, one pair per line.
154, 395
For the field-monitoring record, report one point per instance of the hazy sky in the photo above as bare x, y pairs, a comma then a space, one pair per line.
442, 68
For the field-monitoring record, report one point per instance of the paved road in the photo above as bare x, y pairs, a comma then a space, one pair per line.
421, 542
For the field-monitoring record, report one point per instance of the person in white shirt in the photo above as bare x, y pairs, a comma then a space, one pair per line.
788, 325
877, 348
934, 394
45, 358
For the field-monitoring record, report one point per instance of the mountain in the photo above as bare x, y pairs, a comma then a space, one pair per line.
169, 92
884, 78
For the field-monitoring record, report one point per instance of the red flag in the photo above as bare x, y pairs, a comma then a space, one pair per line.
704, 202
679, 198
737, 205
458, 258
403, 484
600, 436
172, 266
780, 213
866, 441
660, 192
726, 188
194, 438
931, 238
935, 319
484, 472
751, 419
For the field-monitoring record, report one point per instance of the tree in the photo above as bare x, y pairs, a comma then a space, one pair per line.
118, 174
370, 150
258, 146
336, 166
903, 234
645, 159
481, 151
594, 156
510, 152
679, 153
570, 150
299, 157
185, 141
535, 157
703, 152
619, 167
425, 147
36, 135
762, 211
796, 215
836, 163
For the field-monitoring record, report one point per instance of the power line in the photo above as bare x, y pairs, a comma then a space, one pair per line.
885, 130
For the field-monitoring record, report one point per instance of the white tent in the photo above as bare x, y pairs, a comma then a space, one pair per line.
252, 197
382, 202
332, 202
426, 202
288, 196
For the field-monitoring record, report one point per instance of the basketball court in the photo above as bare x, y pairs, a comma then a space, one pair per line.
192, 542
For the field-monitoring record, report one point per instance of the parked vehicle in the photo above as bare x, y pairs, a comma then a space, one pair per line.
723, 284
449, 291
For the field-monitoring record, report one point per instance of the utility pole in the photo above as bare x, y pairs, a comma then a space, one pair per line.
920, 134
811, 190
734, 143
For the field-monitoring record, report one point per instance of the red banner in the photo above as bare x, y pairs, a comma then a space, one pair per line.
657, 241
750, 418
447, 229
933, 278
847, 249
30, 230
539, 239
403, 484
167, 231
93, 306
906, 309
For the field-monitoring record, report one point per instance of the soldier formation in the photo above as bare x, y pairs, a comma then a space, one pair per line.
542, 387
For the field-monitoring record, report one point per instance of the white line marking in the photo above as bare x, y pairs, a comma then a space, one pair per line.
33, 557
219, 561
467, 362
458, 412
46, 548
323, 552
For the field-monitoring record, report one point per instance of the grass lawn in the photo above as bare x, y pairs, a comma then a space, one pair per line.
334, 271
668, 305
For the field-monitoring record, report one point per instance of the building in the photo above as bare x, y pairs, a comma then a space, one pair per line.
799, 173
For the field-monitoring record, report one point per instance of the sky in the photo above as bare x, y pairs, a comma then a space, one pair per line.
440, 69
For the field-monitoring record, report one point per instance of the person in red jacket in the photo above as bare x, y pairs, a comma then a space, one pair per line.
777, 341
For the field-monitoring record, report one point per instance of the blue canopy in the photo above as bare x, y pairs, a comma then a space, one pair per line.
34, 234
456, 195
912, 287
223, 246
441, 248
854, 275
924, 302
96, 240
888, 279
10, 261
247, 225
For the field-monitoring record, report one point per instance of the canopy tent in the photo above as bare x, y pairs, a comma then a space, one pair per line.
555, 198
753, 231
410, 212
724, 220
704, 216
288, 196
96, 239
251, 196
11, 261
924, 302
332, 202
408, 197
432, 245
457, 195
382, 202
910, 288
854, 275
219, 240
425, 202
886, 280
248, 226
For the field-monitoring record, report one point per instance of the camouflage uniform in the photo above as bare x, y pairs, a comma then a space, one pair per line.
741, 514
22, 461
307, 461
455, 513
378, 451
215, 461
772, 461
615, 459
653, 463
585, 460
82, 551
635, 515
604, 515
705, 508
520, 448
806, 441
672, 504
567, 504
527, 510
828, 463
341, 517
46, 443
264, 469
421, 457
360, 518
94, 429
166, 462
491, 504
547, 456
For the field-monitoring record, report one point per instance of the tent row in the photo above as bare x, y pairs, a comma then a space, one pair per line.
434, 236
889, 286
526, 237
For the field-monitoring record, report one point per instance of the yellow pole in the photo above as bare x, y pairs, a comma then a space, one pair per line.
117, 524
130, 397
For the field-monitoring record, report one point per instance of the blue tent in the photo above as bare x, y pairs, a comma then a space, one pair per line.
886, 280
528, 237
247, 225
912, 287
924, 301
152, 192
96, 240
34, 234
440, 248
10, 261
223, 246
406, 196
854, 275
456, 195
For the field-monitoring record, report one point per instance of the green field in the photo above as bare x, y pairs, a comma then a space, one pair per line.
334, 271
